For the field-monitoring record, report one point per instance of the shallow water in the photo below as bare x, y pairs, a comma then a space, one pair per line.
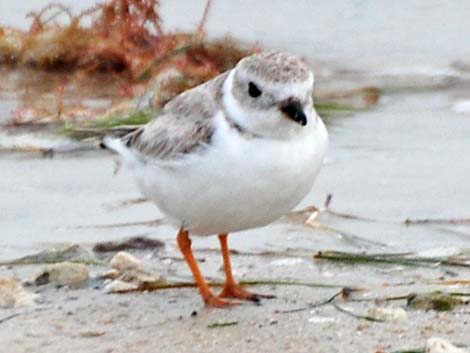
406, 158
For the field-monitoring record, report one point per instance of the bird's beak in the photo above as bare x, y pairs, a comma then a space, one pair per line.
293, 110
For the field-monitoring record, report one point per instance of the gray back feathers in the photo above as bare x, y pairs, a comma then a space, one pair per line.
184, 125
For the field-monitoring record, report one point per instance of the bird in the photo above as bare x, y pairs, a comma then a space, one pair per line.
234, 153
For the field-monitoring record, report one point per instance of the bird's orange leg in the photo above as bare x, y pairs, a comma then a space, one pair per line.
232, 289
184, 243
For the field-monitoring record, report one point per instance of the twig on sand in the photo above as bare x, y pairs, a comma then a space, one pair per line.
159, 285
352, 239
326, 208
453, 282
312, 212
43, 152
290, 252
9, 317
453, 221
460, 234
153, 223
356, 315
260, 282
307, 217
344, 292
222, 324
200, 32
126, 203
404, 259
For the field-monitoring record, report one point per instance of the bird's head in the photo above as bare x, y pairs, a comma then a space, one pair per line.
270, 94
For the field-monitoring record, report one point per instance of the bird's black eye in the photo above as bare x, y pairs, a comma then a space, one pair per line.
253, 90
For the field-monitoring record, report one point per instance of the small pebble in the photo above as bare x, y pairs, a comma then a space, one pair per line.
440, 345
73, 275
123, 261
12, 294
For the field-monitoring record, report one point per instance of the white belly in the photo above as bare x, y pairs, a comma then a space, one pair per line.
237, 183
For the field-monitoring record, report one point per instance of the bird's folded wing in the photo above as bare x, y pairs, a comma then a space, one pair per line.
184, 125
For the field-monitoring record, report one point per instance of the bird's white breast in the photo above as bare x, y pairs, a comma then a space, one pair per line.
238, 182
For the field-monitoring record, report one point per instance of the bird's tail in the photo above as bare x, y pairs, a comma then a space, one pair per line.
117, 145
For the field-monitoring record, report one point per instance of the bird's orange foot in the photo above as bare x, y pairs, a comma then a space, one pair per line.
217, 302
238, 292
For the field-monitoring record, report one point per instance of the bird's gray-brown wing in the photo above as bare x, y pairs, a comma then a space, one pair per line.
183, 126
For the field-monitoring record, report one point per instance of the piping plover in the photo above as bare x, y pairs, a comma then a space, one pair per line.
234, 153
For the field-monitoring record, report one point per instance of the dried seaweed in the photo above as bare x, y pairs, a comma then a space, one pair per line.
116, 124
437, 300
134, 243
403, 259
122, 36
